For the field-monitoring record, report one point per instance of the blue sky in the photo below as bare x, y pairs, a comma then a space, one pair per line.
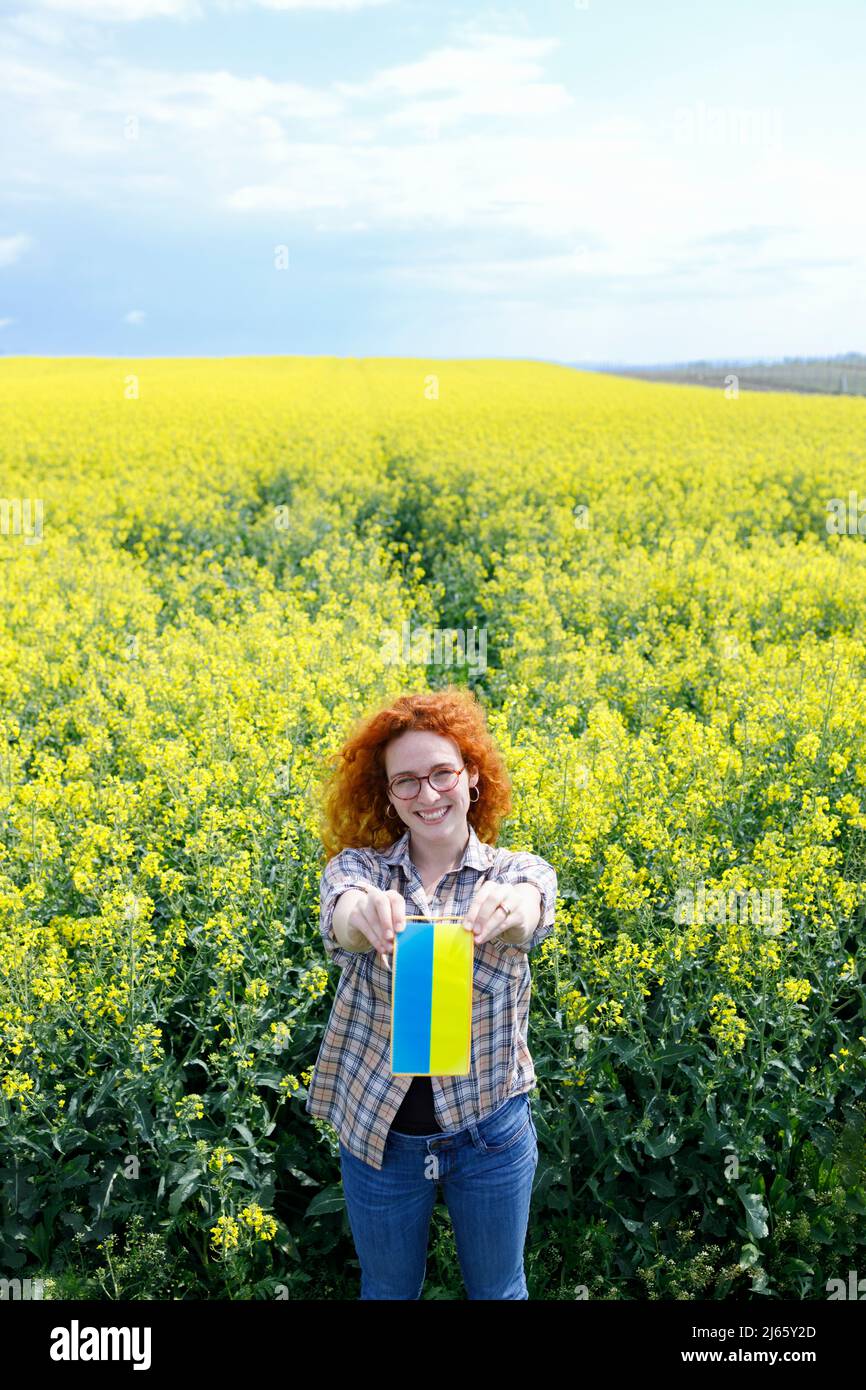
603, 181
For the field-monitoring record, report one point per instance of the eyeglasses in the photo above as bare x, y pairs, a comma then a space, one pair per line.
442, 779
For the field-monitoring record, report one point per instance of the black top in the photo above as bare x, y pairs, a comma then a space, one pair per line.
416, 1114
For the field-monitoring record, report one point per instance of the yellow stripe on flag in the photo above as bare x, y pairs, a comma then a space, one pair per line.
451, 1014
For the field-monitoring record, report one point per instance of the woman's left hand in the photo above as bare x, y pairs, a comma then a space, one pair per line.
497, 908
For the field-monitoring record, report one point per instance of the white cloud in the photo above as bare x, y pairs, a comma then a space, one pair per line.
220, 94
130, 11
485, 61
12, 248
125, 11
341, 5
4, 323
651, 272
135, 316
33, 81
278, 198
490, 75
39, 27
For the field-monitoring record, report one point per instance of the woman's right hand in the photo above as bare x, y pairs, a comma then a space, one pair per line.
378, 916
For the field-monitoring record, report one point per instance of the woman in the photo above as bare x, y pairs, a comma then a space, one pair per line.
411, 814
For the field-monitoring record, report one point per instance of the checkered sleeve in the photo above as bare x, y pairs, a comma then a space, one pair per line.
522, 867
351, 868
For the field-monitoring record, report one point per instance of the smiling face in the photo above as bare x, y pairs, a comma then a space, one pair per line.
433, 817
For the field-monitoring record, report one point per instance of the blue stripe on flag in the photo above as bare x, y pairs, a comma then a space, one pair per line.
413, 999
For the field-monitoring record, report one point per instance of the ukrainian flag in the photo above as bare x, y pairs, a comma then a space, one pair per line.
431, 998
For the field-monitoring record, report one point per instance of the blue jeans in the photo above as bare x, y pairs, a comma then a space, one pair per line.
486, 1171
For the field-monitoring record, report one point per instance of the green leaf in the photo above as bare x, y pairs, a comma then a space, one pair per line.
856, 1201
75, 1172
144, 1116
328, 1200
660, 1185
187, 1185
633, 1226
108, 1084
271, 1079
666, 1144
673, 1054
756, 1212
101, 1189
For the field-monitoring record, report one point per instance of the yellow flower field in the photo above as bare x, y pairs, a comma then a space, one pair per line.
208, 570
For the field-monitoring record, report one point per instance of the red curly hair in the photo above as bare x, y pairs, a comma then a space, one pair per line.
354, 797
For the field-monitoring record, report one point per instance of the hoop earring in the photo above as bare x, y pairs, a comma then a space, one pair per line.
474, 798
389, 810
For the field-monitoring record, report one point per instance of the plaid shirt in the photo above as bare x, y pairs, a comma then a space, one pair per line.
352, 1085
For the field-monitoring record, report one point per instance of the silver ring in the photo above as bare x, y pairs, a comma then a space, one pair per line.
500, 907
